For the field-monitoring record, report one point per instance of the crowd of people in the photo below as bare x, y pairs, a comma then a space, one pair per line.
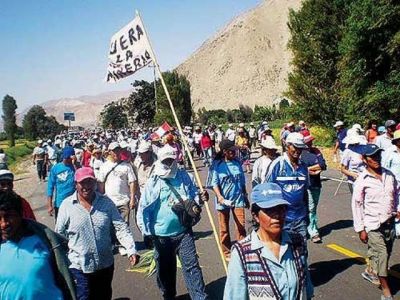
99, 180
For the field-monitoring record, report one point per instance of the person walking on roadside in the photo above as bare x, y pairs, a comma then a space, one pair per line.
391, 157
292, 176
375, 204
269, 263
167, 186
384, 141
253, 136
61, 182
96, 161
87, 219
372, 131
242, 143
7, 184
315, 162
351, 163
230, 133
341, 133
118, 181
226, 178
261, 165
39, 159
206, 146
33, 258
219, 136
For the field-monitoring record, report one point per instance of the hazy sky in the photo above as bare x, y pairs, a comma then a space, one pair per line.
58, 48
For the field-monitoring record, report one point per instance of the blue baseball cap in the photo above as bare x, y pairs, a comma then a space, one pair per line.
267, 195
367, 150
68, 152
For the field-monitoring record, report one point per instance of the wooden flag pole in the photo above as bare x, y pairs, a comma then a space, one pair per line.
178, 124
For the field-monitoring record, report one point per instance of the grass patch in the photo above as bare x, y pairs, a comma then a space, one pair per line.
18, 152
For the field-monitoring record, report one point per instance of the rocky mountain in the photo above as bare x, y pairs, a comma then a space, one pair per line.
247, 62
86, 108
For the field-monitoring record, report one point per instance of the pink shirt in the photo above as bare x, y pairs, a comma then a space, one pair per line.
374, 201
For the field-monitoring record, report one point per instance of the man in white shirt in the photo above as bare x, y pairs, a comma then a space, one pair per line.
118, 181
384, 141
230, 133
261, 165
252, 135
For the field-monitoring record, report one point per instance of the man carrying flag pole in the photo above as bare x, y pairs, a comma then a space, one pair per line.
129, 52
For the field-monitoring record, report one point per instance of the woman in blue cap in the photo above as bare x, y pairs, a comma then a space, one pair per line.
269, 263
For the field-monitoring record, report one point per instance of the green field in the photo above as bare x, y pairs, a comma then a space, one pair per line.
14, 154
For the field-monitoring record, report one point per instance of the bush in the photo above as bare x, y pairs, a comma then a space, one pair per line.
17, 152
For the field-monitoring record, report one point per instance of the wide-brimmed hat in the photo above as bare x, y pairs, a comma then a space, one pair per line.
352, 137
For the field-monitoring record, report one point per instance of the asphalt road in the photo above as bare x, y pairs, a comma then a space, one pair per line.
335, 265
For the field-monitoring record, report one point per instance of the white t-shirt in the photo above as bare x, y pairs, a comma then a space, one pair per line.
96, 165
260, 169
117, 185
197, 137
383, 141
252, 132
230, 134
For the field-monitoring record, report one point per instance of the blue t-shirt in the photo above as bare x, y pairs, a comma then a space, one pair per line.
294, 184
340, 136
166, 222
26, 272
229, 177
61, 179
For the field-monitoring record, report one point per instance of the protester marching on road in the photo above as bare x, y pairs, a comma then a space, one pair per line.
375, 204
61, 181
39, 157
315, 162
384, 141
33, 258
227, 179
167, 186
96, 161
292, 176
341, 133
261, 165
351, 163
270, 262
253, 136
230, 133
7, 184
88, 219
118, 181
372, 131
391, 157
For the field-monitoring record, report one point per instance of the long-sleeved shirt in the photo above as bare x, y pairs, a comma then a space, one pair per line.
89, 232
391, 161
283, 270
260, 169
374, 201
61, 180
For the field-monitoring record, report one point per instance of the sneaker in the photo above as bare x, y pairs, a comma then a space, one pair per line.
383, 297
316, 239
371, 277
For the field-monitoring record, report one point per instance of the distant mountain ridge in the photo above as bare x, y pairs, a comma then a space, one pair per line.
86, 108
247, 62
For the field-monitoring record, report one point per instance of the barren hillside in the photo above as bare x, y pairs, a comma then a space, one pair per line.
245, 63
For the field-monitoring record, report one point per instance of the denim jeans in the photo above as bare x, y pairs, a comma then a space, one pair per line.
166, 249
93, 286
313, 200
207, 156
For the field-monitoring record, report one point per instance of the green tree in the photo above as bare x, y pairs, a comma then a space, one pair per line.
37, 124
179, 90
114, 115
140, 106
316, 30
10, 124
370, 63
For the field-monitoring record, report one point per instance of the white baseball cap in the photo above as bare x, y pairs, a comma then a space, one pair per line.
296, 139
113, 146
269, 144
166, 152
144, 147
338, 123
